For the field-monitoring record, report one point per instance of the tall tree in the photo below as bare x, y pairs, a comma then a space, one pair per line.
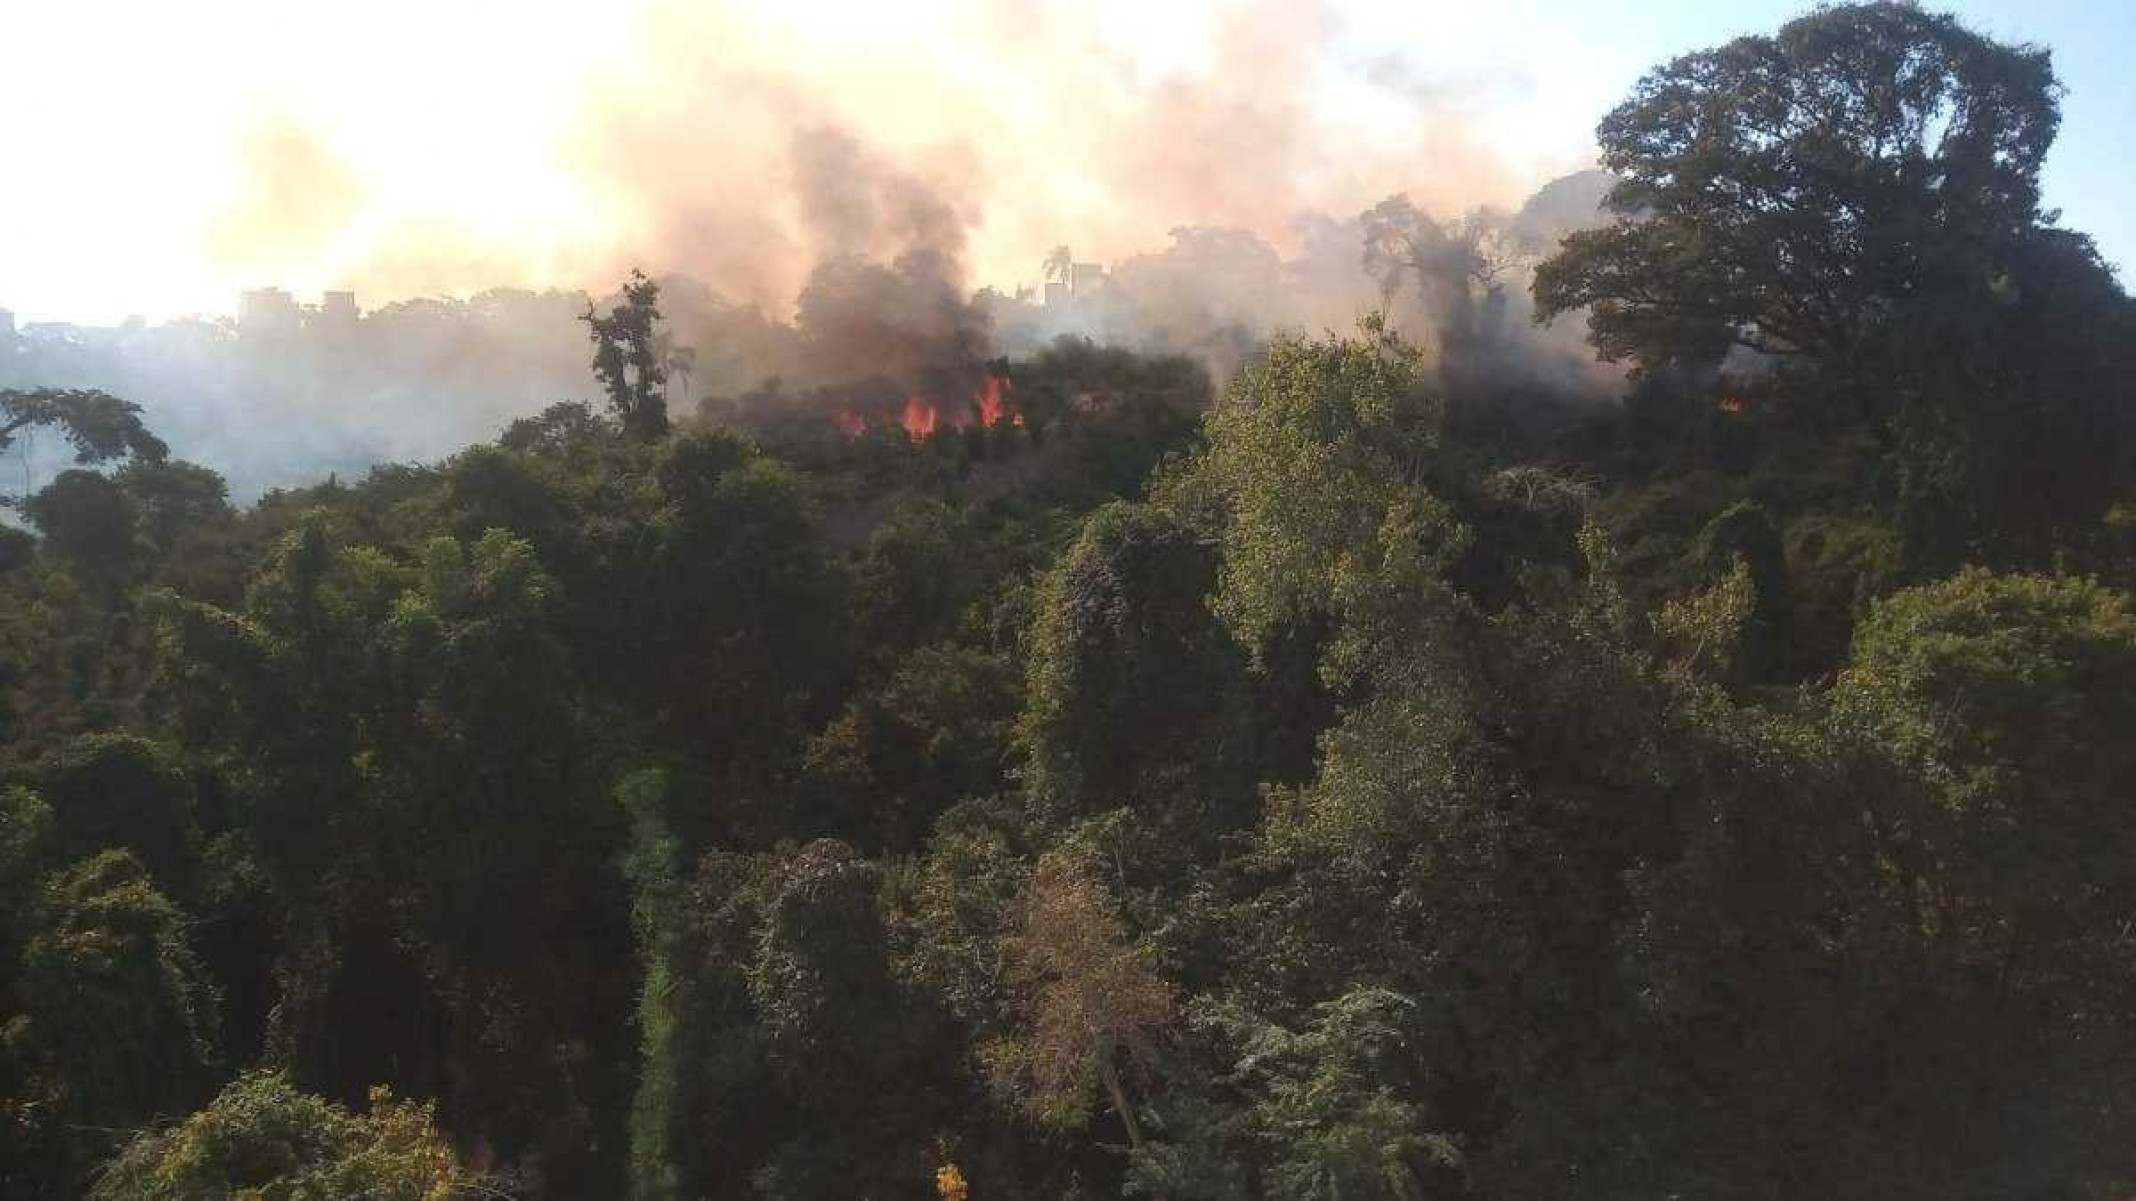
98, 425
1453, 269
117, 1018
1059, 264
631, 359
1789, 194
1092, 1001
1856, 202
88, 521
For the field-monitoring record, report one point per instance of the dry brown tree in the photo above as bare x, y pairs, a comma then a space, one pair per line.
1090, 998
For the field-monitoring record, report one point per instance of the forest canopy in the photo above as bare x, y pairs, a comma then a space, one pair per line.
1364, 774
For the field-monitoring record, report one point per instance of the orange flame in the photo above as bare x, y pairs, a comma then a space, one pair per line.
850, 423
990, 406
919, 418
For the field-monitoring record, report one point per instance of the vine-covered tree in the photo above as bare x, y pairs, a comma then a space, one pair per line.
263, 1138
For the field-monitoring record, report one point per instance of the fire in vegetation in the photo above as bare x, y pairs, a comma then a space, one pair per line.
923, 415
919, 417
991, 390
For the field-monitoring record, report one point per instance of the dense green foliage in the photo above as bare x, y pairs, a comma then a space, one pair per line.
263, 1139
1845, 217
1329, 789
97, 425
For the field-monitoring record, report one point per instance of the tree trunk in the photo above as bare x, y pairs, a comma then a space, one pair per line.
1110, 1076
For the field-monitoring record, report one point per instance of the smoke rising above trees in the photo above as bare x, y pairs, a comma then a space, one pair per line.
842, 187
916, 740
885, 323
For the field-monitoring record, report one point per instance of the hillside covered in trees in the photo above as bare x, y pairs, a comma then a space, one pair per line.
1370, 775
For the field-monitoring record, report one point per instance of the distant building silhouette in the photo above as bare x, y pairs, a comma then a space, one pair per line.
269, 311
1083, 281
336, 315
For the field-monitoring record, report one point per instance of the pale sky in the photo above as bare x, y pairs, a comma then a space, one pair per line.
165, 156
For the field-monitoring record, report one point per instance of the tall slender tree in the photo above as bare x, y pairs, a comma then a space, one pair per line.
630, 358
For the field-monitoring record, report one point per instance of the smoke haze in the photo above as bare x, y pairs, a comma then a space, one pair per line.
827, 187
439, 148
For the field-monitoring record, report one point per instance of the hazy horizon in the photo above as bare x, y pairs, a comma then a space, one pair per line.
238, 145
